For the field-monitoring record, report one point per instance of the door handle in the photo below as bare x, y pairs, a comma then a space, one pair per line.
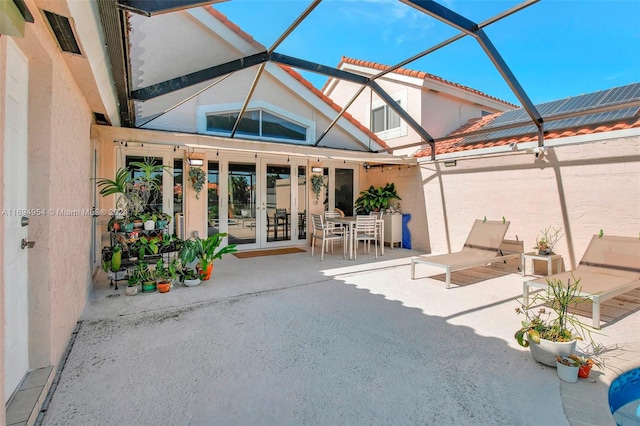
25, 243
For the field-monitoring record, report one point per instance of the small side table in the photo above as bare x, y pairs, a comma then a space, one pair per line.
548, 257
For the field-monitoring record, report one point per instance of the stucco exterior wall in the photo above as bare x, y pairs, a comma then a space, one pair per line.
59, 169
3, 56
582, 188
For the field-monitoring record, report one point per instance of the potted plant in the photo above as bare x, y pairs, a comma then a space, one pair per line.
553, 329
132, 286
197, 177
376, 199
191, 278
317, 183
567, 368
547, 239
163, 277
207, 251
143, 275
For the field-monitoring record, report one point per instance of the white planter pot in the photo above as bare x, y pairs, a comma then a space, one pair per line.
567, 373
131, 291
545, 352
191, 283
149, 225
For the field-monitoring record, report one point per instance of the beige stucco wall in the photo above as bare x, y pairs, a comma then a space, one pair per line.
59, 164
3, 55
582, 188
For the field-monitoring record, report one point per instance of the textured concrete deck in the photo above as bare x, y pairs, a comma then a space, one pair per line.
291, 340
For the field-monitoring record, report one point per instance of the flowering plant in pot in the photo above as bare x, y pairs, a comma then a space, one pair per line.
553, 329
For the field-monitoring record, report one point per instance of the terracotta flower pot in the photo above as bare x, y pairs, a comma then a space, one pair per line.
206, 274
583, 371
164, 286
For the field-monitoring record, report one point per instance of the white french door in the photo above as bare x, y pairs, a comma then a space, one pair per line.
16, 335
266, 205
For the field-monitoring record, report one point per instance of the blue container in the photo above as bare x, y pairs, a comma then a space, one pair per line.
406, 234
624, 398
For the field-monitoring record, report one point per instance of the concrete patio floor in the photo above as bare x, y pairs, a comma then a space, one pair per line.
289, 339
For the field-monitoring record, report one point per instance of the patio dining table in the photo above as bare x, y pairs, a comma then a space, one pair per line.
350, 223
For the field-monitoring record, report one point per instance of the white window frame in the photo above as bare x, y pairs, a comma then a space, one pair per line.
203, 110
402, 98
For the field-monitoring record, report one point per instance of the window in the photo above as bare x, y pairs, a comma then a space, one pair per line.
257, 124
384, 118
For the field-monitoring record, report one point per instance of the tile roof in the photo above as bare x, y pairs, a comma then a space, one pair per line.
451, 145
222, 18
417, 74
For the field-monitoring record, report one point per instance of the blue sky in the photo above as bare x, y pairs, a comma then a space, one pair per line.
555, 48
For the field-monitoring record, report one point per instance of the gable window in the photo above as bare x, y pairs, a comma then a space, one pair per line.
383, 118
257, 123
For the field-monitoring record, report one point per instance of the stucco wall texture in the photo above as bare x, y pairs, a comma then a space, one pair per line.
581, 188
60, 168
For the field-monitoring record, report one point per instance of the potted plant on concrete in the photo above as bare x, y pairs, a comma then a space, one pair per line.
191, 278
207, 251
132, 286
553, 329
547, 239
376, 199
163, 277
567, 368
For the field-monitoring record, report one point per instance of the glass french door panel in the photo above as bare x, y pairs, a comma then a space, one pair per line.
241, 223
213, 198
278, 202
302, 203
344, 190
178, 173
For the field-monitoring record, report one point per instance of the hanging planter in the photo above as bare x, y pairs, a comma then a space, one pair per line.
197, 177
317, 182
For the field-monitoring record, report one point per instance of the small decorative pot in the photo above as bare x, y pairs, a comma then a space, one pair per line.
149, 286
567, 373
128, 227
191, 283
131, 290
149, 225
207, 273
161, 224
585, 369
164, 286
137, 223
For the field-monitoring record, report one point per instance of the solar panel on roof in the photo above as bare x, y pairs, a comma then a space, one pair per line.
590, 101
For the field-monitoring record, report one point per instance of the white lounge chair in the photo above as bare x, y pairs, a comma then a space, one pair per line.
483, 246
609, 267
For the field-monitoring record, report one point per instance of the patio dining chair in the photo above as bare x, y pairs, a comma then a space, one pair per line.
335, 228
324, 233
366, 231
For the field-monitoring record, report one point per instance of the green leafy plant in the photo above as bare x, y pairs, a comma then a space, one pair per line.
141, 272
376, 199
207, 249
147, 245
317, 183
557, 323
197, 177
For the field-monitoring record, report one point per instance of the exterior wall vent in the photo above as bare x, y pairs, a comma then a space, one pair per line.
62, 29
100, 118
